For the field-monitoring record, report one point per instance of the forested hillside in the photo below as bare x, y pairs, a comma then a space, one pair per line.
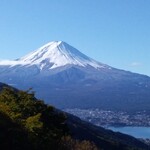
28, 123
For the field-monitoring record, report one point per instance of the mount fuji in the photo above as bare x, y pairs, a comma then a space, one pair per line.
53, 55
66, 78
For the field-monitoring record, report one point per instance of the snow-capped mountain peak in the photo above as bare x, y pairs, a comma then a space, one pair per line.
55, 54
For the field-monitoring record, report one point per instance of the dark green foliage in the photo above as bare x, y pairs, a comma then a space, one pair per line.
42, 125
27, 123
12, 135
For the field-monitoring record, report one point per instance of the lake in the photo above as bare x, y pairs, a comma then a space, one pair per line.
138, 132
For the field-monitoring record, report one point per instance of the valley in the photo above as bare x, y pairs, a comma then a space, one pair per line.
28, 123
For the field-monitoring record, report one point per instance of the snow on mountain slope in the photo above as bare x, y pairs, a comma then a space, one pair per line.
55, 54
63, 76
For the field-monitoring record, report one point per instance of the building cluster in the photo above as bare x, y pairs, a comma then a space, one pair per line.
112, 118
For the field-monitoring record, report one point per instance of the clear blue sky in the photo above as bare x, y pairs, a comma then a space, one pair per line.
115, 32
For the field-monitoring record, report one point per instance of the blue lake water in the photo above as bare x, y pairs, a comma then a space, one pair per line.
138, 132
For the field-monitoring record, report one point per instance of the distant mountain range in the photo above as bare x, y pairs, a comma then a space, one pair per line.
66, 78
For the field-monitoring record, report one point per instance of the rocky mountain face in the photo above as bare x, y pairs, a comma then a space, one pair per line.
66, 78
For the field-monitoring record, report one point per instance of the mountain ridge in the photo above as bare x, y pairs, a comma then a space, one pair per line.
76, 84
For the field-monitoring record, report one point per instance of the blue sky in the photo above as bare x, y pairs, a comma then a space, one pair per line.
115, 32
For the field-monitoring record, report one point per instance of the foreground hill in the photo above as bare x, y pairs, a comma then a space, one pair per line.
66, 78
28, 123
